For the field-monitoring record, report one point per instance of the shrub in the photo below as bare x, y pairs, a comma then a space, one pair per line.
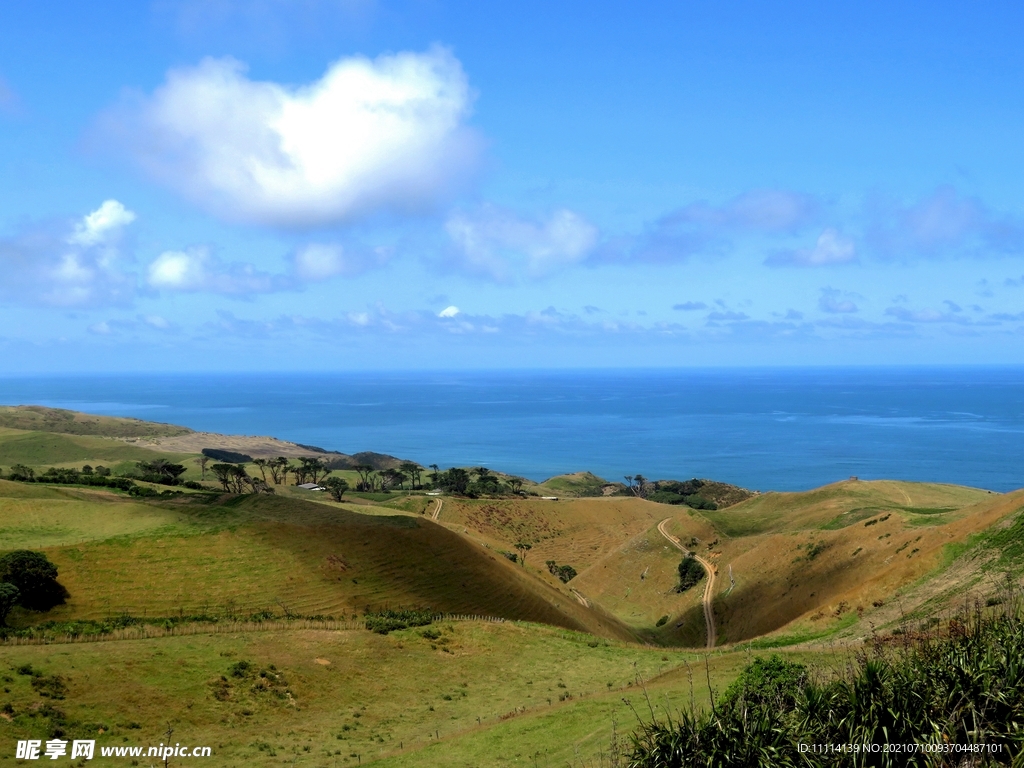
35, 578
963, 686
389, 620
690, 573
565, 573
662, 621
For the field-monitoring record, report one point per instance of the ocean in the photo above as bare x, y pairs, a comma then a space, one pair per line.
764, 429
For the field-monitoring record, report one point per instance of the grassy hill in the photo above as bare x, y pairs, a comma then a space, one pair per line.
38, 418
799, 571
255, 553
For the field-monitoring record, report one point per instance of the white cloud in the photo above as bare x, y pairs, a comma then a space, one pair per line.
178, 270
501, 245
370, 135
196, 270
68, 266
451, 311
102, 224
831, 248
157, 322
322, 261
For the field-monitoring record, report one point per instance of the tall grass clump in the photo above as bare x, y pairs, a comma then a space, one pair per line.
952, 697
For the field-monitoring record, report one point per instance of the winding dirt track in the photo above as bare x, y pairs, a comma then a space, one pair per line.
437, 510
709, 612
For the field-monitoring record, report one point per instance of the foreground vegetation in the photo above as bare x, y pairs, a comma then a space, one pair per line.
946, 698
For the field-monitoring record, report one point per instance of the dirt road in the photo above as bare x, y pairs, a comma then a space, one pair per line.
437, 510
709, 587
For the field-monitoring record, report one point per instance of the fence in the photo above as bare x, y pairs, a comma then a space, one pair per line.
225, 626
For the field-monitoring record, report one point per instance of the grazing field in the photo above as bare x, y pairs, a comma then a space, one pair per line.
353, 695
36, 449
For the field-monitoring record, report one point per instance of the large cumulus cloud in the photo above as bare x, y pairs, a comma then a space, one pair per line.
370, 135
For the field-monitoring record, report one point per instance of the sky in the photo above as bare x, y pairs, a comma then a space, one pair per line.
218, 185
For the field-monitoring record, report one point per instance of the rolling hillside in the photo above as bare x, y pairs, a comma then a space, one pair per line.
796, 571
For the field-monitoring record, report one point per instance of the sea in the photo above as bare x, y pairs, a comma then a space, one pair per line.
783, 429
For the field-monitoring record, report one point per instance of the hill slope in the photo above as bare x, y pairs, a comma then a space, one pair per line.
252, 553
39, 418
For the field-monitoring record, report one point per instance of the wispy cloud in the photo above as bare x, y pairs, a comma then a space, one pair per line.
704, 228
834, 301
831, 248
69, 265
690, 306
943, 223
370, 135
953, 315
198, 270
501, 245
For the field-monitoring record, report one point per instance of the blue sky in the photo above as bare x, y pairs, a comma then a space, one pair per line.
350, 184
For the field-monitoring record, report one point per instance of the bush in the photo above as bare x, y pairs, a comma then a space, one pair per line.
964, 686
388, 620
662, 621
564, 573
35, 577
690, 573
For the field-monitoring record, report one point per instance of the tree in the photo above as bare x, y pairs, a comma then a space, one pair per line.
280, 470
515, 484
523, 547
202, 461
638, 485
9, 595
262, 464
436, 474
336, 486
35, 577
455, 480
364, 471
239, 478
223, 474
23, 473
160, 471
258, 484
313, 469
389, 478
413, 471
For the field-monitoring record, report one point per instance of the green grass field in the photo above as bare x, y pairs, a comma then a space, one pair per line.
480, 694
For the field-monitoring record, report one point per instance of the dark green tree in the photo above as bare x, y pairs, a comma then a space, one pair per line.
23, 473
35, 577
336, 486
455, 480
223, 474
364, 471
9, 595
413, 471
